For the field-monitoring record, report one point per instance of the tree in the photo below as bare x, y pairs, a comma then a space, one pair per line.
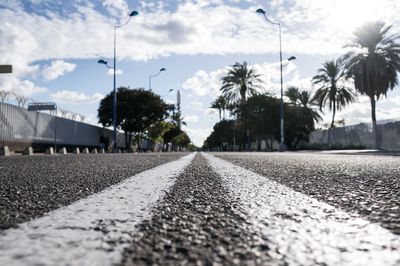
177, 137
374, 64
261, 113
309, 113
332, 91
303, 99
222, 134
293, 94
157, 130
240, 82
137, 110
221, 104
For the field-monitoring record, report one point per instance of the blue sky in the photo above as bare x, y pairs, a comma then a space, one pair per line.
54, 46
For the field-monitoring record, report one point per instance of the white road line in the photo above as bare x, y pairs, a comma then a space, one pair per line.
301, 230
91, 231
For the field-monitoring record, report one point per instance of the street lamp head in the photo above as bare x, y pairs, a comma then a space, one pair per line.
260, 11
101, 61
134, 13
162, 69
291, 58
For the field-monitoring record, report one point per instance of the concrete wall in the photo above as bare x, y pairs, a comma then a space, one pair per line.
20, 128
358, 135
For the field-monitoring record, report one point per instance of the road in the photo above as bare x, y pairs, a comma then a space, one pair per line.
200, 209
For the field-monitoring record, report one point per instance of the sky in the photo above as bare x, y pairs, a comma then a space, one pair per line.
54, 46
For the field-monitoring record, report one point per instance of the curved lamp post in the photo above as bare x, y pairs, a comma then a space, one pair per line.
282, 110
114, 67
155, 75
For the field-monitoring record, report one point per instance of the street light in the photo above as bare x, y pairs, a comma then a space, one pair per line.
282, 115
155, 75
114, 67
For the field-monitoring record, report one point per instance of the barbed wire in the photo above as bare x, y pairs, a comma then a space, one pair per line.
22, 101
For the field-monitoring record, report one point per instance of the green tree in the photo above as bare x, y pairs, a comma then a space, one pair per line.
137, 110
293, 94
177, 137
157, 130
221, 104
240, 82
261, 114
332, 90
222, 134
262, 117
374, 64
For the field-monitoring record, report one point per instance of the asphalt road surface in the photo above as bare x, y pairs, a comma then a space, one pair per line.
31, 186
200, 209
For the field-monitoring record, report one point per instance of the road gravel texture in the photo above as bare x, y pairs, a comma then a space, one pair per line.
362, 184
31, 186
197, 223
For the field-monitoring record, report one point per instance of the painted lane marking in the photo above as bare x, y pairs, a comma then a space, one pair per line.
94, 230
301, 230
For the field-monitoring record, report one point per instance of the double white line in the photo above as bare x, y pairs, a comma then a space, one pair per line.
91, 231
298, 229
301, 230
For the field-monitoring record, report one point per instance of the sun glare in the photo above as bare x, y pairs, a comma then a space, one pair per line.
349, 14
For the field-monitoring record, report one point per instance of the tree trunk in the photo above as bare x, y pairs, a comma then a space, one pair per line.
374, 125
333, 114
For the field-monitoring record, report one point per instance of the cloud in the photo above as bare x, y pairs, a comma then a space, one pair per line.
110, 72
75, 97
195, 105
191, 118
56, 69
21, 87
197, 135
360, 111
203, 83
116, 7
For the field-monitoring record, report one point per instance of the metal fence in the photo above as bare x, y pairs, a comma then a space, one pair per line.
21, 128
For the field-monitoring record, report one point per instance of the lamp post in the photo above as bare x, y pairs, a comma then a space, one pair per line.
282, 110
114, 67
155, 75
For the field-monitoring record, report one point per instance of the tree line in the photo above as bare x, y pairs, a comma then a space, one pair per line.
369, 68
143, 115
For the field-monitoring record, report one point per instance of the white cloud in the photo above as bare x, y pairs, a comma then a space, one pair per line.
110, 72
56, 69
191, 118
203, 83
195, 105
21, 87
75, 97
197, 135
309, 27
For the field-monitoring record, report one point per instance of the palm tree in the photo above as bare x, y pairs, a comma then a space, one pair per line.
221, 105
240, 82
374, 64
332, 91
310, 113
307, 104
293, 94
